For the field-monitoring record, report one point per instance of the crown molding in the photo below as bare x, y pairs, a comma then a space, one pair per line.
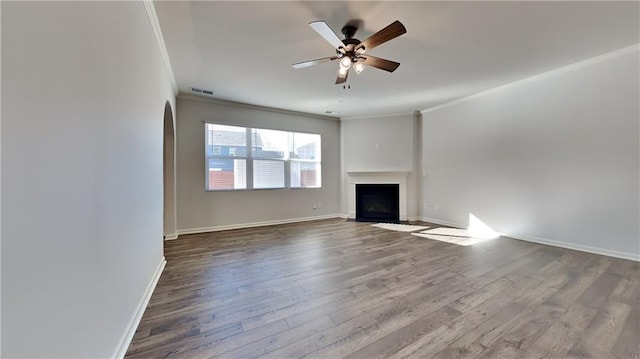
155, 25
215, 101
382, 115
591, 61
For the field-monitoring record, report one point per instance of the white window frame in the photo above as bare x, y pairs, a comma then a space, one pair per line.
249, 160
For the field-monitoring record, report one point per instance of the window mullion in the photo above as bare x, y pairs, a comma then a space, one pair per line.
287, 161
207, 175
287, 173
249, 165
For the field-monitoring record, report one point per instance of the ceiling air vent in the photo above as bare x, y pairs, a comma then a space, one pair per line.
201, 91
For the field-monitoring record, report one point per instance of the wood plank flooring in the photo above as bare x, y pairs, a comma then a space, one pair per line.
340, 289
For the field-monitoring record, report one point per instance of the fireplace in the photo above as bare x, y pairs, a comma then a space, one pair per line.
376, 177
378, 202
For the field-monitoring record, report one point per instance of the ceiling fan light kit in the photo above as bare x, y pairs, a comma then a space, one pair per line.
345, 63
351, 51
359, 66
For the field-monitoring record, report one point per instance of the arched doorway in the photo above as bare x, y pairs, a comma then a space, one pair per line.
169, 175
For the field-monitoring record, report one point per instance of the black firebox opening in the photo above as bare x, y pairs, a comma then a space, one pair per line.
378, 203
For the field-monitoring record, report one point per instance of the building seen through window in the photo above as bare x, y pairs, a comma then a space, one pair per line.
276, 159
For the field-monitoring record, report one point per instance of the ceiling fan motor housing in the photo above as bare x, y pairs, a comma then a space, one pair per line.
349, 49
348, 31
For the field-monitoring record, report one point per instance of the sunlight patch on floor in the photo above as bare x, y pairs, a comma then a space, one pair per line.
477, 232
400, 227
461, 238
479, 229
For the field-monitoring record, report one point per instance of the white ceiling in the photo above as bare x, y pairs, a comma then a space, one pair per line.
244, 50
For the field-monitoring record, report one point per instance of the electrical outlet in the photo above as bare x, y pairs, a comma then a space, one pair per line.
315, 206
435, 207
319, 204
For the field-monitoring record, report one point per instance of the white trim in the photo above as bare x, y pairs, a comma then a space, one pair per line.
580, 247
122, 347
551, 242
254, 224
216, 101
0, 197
365, 177
377, 173
157, 31
381, 115
170, 236
594, 60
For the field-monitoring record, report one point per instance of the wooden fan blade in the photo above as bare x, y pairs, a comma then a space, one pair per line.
390, 32
382, 64
325, 31
342, 78
301, 65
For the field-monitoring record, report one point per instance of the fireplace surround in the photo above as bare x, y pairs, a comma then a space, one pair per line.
377, 177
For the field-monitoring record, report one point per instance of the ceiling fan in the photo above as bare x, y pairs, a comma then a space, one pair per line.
351, 51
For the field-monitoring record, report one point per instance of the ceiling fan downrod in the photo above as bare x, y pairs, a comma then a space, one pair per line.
348, 31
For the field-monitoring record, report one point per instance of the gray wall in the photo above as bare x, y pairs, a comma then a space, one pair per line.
199, 210
83, 96
384, 143
553, 159
378, 143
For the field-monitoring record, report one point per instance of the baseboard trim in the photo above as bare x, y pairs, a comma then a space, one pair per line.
580, 247
254, 224
170, 236
551, 242
122, 347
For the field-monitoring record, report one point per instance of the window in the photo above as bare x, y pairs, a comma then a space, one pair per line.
226, 154
256, 158
305, 160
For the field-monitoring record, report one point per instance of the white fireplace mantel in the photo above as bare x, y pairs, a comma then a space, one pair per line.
363, 177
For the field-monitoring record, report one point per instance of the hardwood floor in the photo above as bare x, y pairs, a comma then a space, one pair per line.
338, 289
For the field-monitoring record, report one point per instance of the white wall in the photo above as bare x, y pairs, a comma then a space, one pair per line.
554, 158
199, 210
381, 144
84, 90
378, 143
1, 265
169, 175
